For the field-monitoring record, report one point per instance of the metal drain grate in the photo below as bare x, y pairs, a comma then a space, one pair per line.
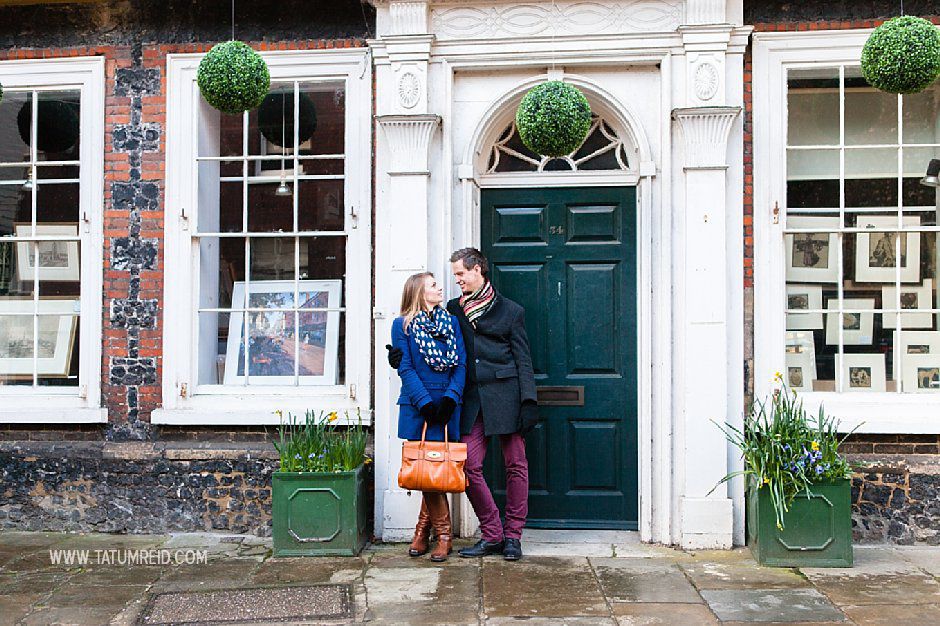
267, 604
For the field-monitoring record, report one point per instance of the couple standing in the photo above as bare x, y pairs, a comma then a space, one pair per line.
467, 368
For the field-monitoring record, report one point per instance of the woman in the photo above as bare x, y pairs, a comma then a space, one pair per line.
432, 371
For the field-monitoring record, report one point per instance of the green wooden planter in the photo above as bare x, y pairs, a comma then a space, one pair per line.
319, 514
817, 530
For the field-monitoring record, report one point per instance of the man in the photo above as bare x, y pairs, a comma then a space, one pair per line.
499, 400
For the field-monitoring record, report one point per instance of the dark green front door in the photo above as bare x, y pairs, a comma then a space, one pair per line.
568, 255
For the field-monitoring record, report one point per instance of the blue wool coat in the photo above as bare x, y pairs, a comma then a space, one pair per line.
420, 385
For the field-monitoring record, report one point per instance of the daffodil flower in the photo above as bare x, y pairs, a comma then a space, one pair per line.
333, 416
815, 445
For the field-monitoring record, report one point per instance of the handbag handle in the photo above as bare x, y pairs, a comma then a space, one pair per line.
424, 432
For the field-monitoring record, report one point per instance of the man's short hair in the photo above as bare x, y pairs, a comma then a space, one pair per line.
471, 258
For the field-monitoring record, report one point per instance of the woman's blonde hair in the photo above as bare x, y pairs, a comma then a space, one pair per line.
412, 297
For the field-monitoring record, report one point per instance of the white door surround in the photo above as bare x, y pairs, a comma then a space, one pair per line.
635, 80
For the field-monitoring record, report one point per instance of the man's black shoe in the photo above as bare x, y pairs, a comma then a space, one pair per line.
513, 550
482, 548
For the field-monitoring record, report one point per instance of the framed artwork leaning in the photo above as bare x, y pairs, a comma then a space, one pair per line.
909, 346
877, 255
921, 373
57, 323
808, 297
800, 361
912, 298
862, 372
858, 321
58, 260
812, 257
289, 341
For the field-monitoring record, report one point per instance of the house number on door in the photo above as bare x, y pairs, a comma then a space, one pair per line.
556, 230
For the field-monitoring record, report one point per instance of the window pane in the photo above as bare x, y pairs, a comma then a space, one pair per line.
16, 344
872, 163
320, 205
813, 107
866, 361
871, 116
921, 116
222, 264
16, 200
272, 259
57, 126
220, 134
57, 203
13, 146
270, 210
57, 358
212, 348
329, 103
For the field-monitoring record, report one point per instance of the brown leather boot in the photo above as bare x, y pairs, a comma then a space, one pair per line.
420, 543
440, 519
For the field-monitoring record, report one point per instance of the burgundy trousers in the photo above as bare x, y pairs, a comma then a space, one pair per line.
517, 484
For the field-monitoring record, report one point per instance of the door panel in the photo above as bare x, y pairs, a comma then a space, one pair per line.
568, 255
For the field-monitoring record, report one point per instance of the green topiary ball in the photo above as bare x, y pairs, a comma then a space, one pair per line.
553, 119
276, 118
902, 55
233, 78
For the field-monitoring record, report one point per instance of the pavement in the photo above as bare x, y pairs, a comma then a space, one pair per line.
566, 578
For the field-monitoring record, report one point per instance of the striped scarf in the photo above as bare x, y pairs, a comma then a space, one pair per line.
478, 302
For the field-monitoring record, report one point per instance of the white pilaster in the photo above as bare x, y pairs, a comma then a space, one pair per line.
705, 519
404, 142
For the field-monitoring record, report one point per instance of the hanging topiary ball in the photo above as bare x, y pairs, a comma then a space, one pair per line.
57, 128
276, 118
233, 78
553, 119
902, 55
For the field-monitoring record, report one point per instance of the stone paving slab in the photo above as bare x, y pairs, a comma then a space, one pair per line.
736, 569
771, 605
642, 580
882, 589
541, 586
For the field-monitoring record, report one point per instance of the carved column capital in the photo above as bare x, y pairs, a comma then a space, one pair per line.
409, 137
705, 132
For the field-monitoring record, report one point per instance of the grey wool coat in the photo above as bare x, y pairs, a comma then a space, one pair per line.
499, 367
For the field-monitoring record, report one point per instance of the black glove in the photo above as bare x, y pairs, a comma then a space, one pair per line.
394, 356
427, 412
528, 416
445, 410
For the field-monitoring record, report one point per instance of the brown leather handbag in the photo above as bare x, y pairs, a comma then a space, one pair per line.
433, 465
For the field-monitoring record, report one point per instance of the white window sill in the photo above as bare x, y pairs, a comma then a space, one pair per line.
56, 415
248, 417
879, 413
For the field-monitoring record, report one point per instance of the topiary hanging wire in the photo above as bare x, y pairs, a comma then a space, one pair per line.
233, 78
902, 55
553, 119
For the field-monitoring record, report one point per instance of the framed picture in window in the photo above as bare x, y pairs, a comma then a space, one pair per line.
58, 260
276, 332
876, 254
921, 373
857, 328
913, 344
57, 323
913, 297
862, 372
800, 361
808, 297
812, 257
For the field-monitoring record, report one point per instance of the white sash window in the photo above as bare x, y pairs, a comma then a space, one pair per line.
846, 266
267, 231
51, 195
